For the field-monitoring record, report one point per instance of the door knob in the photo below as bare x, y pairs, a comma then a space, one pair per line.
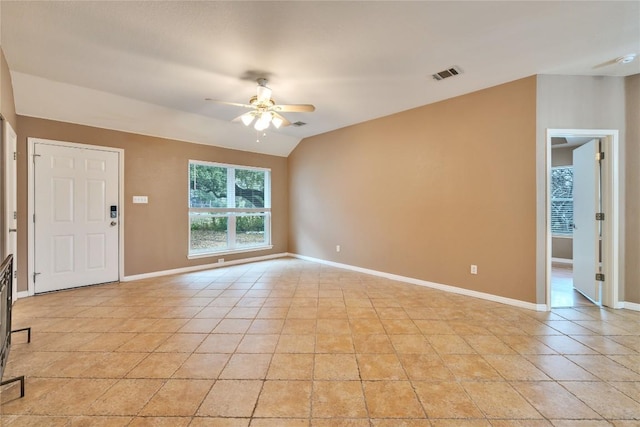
113, 223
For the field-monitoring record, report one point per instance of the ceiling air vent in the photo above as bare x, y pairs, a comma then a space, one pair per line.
298, 124
449, 72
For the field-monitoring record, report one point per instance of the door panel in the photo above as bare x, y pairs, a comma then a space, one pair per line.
62, 254
74, 239
96, 198
96, 256
62, 189
586, 235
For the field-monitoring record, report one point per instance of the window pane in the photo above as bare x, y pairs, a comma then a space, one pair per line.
562, 183
208, 186
562, 200
562, 217
250, 230
250, 188
208, 232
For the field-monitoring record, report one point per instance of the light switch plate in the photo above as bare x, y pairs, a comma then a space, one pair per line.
140, 199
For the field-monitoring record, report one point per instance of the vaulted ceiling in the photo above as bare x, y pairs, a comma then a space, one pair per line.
147, 66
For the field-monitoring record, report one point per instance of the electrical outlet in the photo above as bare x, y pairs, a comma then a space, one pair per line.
474, 269
337, 248
220, 260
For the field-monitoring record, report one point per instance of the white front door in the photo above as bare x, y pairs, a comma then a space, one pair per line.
76, 216
586, 234
11, 206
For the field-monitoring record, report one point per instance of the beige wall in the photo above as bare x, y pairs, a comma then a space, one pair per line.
405, 194
577, 102
156, 234
562, 247
562, 156
427, 192
632, 270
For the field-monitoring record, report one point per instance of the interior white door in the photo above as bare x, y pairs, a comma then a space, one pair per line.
11, 201
75, 235
586, 234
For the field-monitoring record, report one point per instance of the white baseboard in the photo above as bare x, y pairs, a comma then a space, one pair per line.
562, 260
439, 286
201, 267
631, 306
447, 288
22, 294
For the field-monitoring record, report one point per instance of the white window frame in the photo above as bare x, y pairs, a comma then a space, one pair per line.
231, 212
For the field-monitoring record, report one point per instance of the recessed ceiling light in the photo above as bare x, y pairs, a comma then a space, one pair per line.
626, 58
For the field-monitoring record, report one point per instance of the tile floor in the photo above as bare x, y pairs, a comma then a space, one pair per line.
562, 292
292, 343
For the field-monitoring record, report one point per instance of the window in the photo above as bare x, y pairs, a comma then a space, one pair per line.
229, 208
562, 201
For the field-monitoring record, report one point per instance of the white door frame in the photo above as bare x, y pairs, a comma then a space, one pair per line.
611, 177
31, 194
10, 197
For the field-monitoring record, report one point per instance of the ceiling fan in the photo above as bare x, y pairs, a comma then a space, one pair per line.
264, 109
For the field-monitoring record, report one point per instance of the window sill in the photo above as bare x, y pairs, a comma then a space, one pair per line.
561, 236
229, 252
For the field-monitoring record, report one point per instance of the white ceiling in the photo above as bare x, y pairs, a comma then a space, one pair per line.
146, 67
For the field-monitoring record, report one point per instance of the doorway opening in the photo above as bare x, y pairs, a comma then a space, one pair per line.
563, 293
582, 271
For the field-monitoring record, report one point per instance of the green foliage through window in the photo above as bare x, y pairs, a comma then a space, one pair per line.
208, 186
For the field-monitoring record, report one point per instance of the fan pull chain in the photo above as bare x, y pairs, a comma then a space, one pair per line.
264, 134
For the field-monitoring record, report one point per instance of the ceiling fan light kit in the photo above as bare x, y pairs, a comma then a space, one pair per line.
277, 121
263, 122
264, 109
626, 59
247, 118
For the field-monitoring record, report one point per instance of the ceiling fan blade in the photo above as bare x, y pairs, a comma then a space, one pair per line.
605, 64
294, 108
235, 104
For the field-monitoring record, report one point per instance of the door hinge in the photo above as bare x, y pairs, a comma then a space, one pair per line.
600, 156
15, 155
34, 277
599, 216
15, 214
34, 218
600, 277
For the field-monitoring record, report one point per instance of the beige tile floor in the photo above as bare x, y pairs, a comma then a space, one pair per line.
562, 292
292, 343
